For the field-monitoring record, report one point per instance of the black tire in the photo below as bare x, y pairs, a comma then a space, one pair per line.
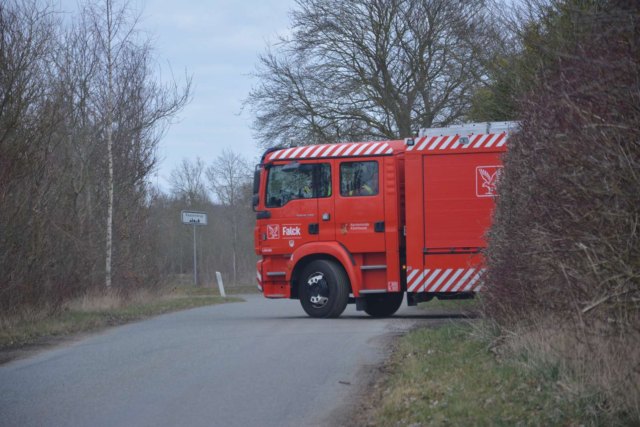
320, 280
384, 305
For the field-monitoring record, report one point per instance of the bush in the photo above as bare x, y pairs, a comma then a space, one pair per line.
564, 245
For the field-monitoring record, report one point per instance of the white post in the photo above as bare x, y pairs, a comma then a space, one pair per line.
220, 285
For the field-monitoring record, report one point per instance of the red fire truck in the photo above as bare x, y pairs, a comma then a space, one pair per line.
367, 222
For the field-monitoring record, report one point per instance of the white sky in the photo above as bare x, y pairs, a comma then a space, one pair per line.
217, 41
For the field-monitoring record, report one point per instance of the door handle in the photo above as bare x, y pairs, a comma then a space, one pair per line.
314, 228
378, 227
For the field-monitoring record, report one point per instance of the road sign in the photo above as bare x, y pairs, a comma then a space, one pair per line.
194, 218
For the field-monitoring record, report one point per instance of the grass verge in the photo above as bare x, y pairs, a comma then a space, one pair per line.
443, 376
229, 290
81, 316
464, 305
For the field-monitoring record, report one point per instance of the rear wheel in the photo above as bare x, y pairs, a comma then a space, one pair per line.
324, 289
383, 305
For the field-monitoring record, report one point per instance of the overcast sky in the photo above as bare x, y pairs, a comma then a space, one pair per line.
217, 41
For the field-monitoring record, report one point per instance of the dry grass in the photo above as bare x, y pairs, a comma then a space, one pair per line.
92, 312
600, 369
213, 290
470, 375
446, 377
108, 301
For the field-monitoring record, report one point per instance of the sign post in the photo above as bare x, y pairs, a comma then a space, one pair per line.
196, 219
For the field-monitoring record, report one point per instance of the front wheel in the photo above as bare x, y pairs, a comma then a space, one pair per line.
324, 289
383, 305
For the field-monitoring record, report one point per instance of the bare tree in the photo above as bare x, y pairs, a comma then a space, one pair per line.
187, 182
125, 61
113, 30
228, 176
369, 69
28, 118
60, 103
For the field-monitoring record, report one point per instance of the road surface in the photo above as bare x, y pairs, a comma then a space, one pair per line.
258, 363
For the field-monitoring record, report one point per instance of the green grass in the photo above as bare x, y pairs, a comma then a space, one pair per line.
73, 321
443, 377
229, 290
465, 304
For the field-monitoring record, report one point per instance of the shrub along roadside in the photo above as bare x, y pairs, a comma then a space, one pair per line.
91, 314
454, 376
563, 250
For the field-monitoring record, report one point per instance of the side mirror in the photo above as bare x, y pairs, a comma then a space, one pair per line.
255, 201
256, 181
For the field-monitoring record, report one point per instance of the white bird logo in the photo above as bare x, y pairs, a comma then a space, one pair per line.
490, 181
274, 231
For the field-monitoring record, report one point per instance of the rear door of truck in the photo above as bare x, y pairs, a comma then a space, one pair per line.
449, 210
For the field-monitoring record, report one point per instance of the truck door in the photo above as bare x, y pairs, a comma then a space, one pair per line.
326, 183
290, 199
459, 193
359, 205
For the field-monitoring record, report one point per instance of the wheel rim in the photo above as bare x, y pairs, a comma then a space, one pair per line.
318, 290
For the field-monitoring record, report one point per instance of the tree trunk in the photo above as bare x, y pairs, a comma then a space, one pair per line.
109, 151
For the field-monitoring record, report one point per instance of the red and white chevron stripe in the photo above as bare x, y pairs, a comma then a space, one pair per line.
445, 280
452, 142
259, 279
332, 150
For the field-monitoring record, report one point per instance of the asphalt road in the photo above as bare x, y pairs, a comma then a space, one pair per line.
258, 363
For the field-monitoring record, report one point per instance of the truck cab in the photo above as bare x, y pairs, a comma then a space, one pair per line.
366, 222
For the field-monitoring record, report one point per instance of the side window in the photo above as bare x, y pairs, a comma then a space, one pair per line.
282, 187
359, 179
